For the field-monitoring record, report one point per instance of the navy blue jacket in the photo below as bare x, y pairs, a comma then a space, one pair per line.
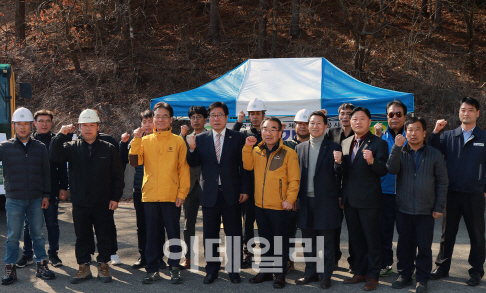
234, 180
465, 162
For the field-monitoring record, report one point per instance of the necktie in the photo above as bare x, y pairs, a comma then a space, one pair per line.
217, 146
355, 150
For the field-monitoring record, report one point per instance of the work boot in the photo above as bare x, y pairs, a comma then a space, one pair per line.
43, 271
103, 274
83, 274
175, 275
10, 274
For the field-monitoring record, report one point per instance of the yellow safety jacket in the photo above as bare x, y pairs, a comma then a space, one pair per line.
276, 179
166, 172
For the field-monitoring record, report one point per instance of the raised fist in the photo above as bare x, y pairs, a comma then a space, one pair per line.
138, 133
125, 137
65, 129
191, 141
378, 129
439, 125
241, 116
399, 140
184, 130
368, 156
338, 156
251, 140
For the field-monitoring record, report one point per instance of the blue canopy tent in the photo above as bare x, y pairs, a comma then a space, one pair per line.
287, 85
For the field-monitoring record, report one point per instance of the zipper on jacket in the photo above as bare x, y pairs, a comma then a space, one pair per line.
480, 171
267, 166
281, 197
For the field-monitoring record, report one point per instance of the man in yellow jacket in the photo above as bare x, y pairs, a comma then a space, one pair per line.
277, 179
165, 185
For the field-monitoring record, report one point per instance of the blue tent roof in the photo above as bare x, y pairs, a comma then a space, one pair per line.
286, 85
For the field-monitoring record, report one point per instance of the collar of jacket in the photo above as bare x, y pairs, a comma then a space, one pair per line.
162, 134
406, 148
39, 136
388, 130
476, 131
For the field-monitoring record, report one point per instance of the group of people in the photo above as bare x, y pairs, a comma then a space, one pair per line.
312, 182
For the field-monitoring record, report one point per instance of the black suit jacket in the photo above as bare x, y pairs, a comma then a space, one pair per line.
361, 182
335, 134
327, 180
234, 180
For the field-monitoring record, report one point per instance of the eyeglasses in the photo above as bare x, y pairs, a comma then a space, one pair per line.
196, 117
165, 117
44, 121
214, 116
271, 130
393, 114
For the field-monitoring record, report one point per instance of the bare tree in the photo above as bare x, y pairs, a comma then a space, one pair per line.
262, 29
273, 50
468, 10
20, 21
294, 24
213, 34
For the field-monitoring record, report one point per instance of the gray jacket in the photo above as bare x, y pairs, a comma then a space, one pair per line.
26, 171
424, 191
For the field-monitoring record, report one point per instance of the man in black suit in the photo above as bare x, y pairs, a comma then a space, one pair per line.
319, 193
337, 135
364, 159
223, 186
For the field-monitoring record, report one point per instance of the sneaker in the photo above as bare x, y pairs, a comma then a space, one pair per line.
103, 274
24, 261
421, 287
43, 271
151, 277
10, 274
140, 263
175, 275
83, 274
290, 266
115, 260
401, 283
385, 271
55, 261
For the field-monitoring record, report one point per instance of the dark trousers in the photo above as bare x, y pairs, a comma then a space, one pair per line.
191, 208
415, 232
248, 214
388, 214
231, 216
84, 220
141, 229
328, 245
337, 244
159, 215
273, 223
365, 239
292, 230
471, 207
52, 225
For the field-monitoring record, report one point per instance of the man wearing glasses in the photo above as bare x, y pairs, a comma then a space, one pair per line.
277, 178
396, 112
198, 116
165, 187
223, 185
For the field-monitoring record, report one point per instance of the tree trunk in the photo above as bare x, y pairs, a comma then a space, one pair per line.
274, 30
438, 13
262, 29
294, 24
424, 8
213, 34
20, 22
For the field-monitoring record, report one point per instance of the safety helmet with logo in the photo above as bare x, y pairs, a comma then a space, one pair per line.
89, 116
302, 116
256, 105
22, 115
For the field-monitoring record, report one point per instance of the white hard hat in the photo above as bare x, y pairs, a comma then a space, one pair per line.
302, 116
89, 116
256, 105
22, 115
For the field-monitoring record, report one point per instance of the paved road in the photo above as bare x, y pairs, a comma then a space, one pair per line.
129, 280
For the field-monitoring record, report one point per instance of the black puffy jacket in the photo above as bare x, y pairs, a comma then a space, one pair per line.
94, 179
25, 169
